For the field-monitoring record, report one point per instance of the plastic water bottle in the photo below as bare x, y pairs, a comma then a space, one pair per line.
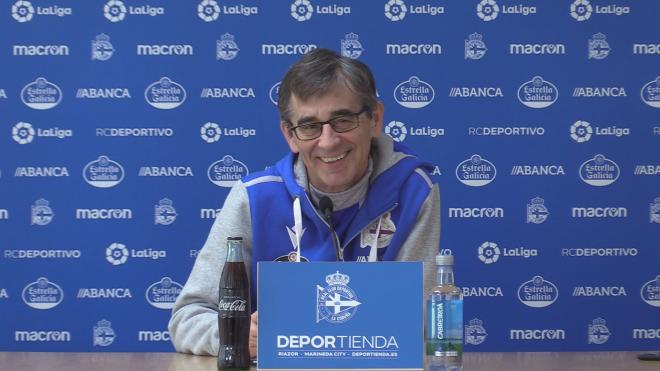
444, 320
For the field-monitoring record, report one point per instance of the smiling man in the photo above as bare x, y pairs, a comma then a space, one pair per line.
361, 197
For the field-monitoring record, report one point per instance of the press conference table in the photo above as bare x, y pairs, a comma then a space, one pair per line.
588, 361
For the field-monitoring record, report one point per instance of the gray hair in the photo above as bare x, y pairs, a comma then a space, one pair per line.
319, 71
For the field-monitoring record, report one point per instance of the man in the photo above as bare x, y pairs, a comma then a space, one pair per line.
385, 205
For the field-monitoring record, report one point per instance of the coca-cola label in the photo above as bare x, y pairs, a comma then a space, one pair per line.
231, 304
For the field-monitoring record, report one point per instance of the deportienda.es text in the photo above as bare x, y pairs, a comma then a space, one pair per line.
337, 342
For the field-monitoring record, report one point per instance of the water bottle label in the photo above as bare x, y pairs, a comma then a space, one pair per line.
444, 327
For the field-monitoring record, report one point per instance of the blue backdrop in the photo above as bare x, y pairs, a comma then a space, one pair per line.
125, 122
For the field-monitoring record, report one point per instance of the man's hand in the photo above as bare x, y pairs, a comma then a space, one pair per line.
253, 334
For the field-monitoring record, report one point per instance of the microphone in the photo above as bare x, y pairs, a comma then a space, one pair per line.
325, 206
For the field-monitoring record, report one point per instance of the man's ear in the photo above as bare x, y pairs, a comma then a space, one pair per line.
289, 137
377, 116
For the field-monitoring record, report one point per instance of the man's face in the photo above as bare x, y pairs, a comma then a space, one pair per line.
334, 161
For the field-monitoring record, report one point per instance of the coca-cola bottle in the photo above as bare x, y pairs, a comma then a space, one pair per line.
234, 310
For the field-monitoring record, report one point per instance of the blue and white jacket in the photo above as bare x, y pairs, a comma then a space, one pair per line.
399, 219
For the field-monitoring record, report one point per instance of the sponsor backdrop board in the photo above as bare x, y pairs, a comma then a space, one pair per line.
124, 123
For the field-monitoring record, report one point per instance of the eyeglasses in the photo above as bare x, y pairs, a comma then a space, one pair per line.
339, 124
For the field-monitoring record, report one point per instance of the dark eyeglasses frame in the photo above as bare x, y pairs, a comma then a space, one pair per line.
355, 116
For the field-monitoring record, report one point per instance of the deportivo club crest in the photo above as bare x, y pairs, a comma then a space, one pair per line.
104, 335
351, 46
475, 48
598, 332
102, 49
475, 333
599, 48
226, 48
164, 212
537, 212
336, 303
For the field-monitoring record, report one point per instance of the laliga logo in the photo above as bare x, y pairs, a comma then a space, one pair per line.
208, 10
211, 132
489, 252
581, 131
395, 10
336, 303
116, 253
475, 333
114, 10
42, 294
301, 10
397, 130
599, 171
23, 133
487, 10
22, 11
581, 10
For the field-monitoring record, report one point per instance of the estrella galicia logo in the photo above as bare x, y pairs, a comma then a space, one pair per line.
475, 48
475, 333
104, 335
302, 10
42, 294
208, 10
42, 214
581, 10
351, 46
651, 93
650, 292
103, 172
599, 48
23, 133
581, 131
538, 93
41, 94
116, 253
537, 212
226, 48
476, 171
488, 10
599, 171
489, 252
163, 293
395, 10
654, 211
165, 94
164, 212
396, 130
225, 172
598, 332
336, 303
414, 93
102, 49
114, 10
211, 132
274, 92
22, 11
538, 293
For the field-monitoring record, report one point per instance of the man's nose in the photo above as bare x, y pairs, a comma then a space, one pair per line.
329, 136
